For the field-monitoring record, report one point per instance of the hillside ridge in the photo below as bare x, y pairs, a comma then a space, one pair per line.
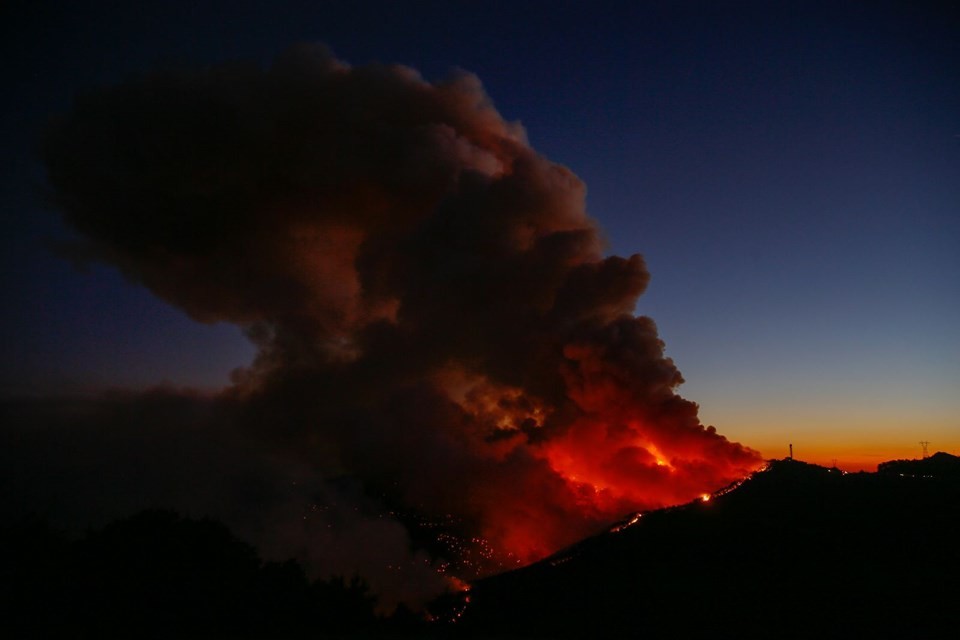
796, 547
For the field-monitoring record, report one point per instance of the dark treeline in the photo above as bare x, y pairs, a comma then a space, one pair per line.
158, 574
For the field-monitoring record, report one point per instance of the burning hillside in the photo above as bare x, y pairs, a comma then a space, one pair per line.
795, 551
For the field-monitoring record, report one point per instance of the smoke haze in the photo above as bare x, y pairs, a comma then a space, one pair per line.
442, 344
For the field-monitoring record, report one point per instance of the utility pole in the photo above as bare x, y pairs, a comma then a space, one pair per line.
791, 452
924, 444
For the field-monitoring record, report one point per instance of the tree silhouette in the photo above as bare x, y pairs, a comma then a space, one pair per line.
342, 604
159, 575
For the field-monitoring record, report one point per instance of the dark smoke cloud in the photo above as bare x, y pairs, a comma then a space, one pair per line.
435, 316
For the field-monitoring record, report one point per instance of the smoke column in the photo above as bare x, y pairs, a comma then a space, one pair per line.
436, 320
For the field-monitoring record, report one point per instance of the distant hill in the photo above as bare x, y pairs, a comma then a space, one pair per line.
939, 465
796, 551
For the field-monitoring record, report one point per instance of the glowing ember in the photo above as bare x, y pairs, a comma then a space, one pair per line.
629, 523
456, 584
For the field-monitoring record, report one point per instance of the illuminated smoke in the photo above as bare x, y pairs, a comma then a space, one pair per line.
435, 316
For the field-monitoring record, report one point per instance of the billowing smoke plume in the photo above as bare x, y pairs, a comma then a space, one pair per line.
435, 317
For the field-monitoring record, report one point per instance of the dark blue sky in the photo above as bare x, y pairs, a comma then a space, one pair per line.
791, 174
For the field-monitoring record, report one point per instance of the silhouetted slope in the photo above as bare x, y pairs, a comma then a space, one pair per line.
797, 551
939, 465
160, 575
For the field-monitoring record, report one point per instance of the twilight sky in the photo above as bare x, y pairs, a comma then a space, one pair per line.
791, 176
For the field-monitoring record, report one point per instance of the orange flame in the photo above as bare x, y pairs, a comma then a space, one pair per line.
597, 468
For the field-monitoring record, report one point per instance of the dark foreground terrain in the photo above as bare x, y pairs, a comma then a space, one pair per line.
796, 551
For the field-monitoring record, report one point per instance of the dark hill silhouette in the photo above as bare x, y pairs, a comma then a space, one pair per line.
939, 465
160, 575
797, 551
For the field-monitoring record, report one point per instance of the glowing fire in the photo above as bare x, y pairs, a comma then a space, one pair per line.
593, 469
629, 523
456, 584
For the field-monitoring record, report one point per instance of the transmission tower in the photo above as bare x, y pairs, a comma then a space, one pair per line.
924, 444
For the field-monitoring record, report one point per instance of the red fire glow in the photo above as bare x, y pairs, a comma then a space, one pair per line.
601, 465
